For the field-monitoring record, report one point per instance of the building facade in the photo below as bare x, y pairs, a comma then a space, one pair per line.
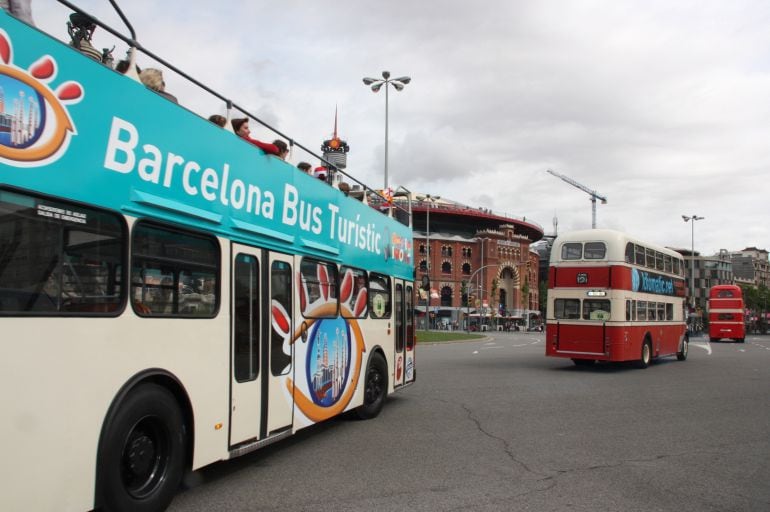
751, 266
482, 271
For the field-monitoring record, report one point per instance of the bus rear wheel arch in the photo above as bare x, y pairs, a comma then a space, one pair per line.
645, 357
682, 354
142, 452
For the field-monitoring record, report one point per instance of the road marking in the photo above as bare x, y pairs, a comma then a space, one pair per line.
705, 346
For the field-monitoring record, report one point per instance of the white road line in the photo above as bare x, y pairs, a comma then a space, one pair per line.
705, 346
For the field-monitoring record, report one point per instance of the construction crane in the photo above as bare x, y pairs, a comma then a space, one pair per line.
593, 193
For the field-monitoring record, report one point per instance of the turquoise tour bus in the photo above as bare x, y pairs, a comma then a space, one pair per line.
171, 295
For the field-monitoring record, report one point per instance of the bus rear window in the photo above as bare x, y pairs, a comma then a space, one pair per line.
595, 251
60, 258
572, 251
566, 309
596, 309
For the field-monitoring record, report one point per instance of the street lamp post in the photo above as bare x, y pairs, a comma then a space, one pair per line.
376, 84
692, 220
468, 301
431, 201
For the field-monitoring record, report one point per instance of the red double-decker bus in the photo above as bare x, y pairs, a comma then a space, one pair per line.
612, 297
726, 313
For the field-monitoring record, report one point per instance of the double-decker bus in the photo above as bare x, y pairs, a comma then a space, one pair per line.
612, 297
726, 313
170, 295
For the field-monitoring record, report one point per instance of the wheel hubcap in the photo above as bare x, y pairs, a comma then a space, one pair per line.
373, 386
145, 456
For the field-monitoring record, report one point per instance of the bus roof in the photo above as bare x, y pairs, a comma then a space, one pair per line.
616, 243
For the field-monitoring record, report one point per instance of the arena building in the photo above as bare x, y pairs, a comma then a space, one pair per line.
482, 272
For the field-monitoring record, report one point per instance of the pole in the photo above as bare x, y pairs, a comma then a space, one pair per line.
386, 137
692, 265
427, 298
468, 304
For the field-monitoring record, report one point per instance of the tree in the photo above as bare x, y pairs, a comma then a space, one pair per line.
543, 297
493, 300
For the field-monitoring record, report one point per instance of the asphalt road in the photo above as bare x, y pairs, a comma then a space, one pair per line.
495, 425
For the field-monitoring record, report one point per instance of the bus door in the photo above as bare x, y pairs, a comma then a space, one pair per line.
403, 318
261, 350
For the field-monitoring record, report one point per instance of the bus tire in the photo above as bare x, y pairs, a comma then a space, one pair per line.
741, 340
584, 362
646, 356
142, 453
375, 387
681, 356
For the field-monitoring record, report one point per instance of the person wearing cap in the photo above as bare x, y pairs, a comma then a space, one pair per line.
241, 129
321, 173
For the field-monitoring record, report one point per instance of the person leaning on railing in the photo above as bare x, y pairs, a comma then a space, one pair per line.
241, 129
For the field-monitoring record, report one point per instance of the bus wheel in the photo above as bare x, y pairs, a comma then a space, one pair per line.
375, 387
141, 455
583, 362
681, 356
741, 340
646, 356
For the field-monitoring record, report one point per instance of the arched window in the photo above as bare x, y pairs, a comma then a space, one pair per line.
422, 248
446, 296
449, 251
466, 269
446, 268
423, 266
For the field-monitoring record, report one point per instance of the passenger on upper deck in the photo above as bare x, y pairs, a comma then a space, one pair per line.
241, 128
321, 173
283, 149
153, 79
22, 9
122, 67
218, 120
304, 167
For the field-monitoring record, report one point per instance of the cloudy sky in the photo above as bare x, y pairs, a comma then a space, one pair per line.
661, 106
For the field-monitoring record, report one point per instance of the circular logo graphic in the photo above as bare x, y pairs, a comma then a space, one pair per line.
635, 280
328, 360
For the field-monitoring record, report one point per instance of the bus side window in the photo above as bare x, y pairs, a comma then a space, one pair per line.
319, 287
629, 252
628, 310
353, 292
639, 255
380, 295
174, 272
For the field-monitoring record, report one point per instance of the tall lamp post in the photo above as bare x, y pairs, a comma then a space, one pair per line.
468, 302
692, 219
431, 201
376, 84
